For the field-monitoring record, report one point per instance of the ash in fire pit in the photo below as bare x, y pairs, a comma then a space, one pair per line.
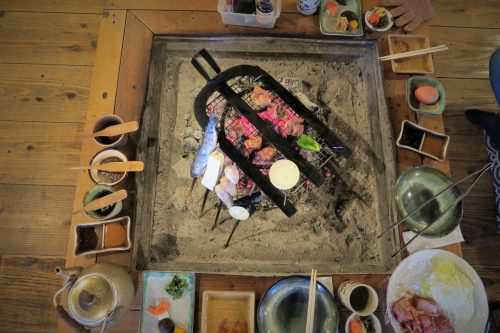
335, 226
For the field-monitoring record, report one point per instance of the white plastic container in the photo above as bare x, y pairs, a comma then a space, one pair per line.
251, 20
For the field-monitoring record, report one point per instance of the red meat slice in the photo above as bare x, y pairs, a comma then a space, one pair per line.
443, 324
402, 310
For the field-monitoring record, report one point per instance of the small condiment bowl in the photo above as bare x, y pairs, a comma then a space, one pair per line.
99, 228
376, 322
104, 122
371, 27
101, 156
96, 192
417, 81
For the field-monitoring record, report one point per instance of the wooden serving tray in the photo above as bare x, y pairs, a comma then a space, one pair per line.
416, 65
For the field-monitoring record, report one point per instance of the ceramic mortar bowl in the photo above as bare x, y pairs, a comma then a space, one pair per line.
99, 158
418, 185
104, 122
97, 192
283, 308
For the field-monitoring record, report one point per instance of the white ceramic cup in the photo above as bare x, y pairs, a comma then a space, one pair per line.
103, 154
345, 291
104, 122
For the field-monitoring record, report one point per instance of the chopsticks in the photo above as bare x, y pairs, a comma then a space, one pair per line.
311, 303
414, 53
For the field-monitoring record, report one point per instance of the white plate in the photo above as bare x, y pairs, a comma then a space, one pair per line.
413, 269
181, 310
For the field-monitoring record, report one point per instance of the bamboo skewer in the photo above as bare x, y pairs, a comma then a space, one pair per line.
311, 303
414, 53
219, 207
202, 208
128, 166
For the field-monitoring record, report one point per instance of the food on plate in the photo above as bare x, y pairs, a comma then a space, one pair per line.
341, 24
352, 19
265, 155
179, 330
294, 127
236, 129
452, 290
260, 96
166, 325
228, 186
304, 141
225, 197
417, 314
342, 2
232, 173
427, 95
361, 325
159, 309
177, 287
115, 235
331, 8
252, 144
379, 18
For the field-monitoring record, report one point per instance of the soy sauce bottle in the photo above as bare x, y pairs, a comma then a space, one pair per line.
244, 6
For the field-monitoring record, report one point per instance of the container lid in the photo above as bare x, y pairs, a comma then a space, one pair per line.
91, 299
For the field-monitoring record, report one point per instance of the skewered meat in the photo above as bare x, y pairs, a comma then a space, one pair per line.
265, 155
219, 109
294, 127
261, 97
253, 143
236, 129
228, 186
420, 315
276, 111
232, 174
225, 197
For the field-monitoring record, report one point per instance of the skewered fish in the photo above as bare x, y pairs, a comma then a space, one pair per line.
228, 186
207, 147
232, 174
224, 196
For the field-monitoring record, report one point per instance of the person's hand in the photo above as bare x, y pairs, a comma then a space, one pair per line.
410, 13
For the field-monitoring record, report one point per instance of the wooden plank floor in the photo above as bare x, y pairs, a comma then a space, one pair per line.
46, 59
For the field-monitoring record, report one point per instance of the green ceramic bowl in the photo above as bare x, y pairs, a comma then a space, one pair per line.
415, 187
417, 81
99, 191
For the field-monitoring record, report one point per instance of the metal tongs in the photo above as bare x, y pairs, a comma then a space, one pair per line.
479, 173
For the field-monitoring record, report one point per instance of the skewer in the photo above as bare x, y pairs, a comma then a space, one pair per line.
190, 191
434, 197
219, 207
414, 53
460, 198
236, 224
311, 303
205, 196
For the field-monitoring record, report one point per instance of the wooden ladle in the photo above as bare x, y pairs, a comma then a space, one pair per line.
129, 166
103, 201
116, 130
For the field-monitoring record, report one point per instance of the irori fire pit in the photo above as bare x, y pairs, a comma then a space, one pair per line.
335, 225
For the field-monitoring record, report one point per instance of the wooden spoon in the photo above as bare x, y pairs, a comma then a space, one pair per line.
116, 130
103, 201
129, 166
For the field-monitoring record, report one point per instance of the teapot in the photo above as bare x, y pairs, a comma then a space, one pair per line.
98, 295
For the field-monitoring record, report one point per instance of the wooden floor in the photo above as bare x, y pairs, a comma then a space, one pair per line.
46, 56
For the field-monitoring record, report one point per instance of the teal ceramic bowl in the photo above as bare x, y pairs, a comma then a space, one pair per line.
108, 212
417, 81
283, 308
418, 185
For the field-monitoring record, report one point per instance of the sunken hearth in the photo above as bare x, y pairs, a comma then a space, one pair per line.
335, 226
